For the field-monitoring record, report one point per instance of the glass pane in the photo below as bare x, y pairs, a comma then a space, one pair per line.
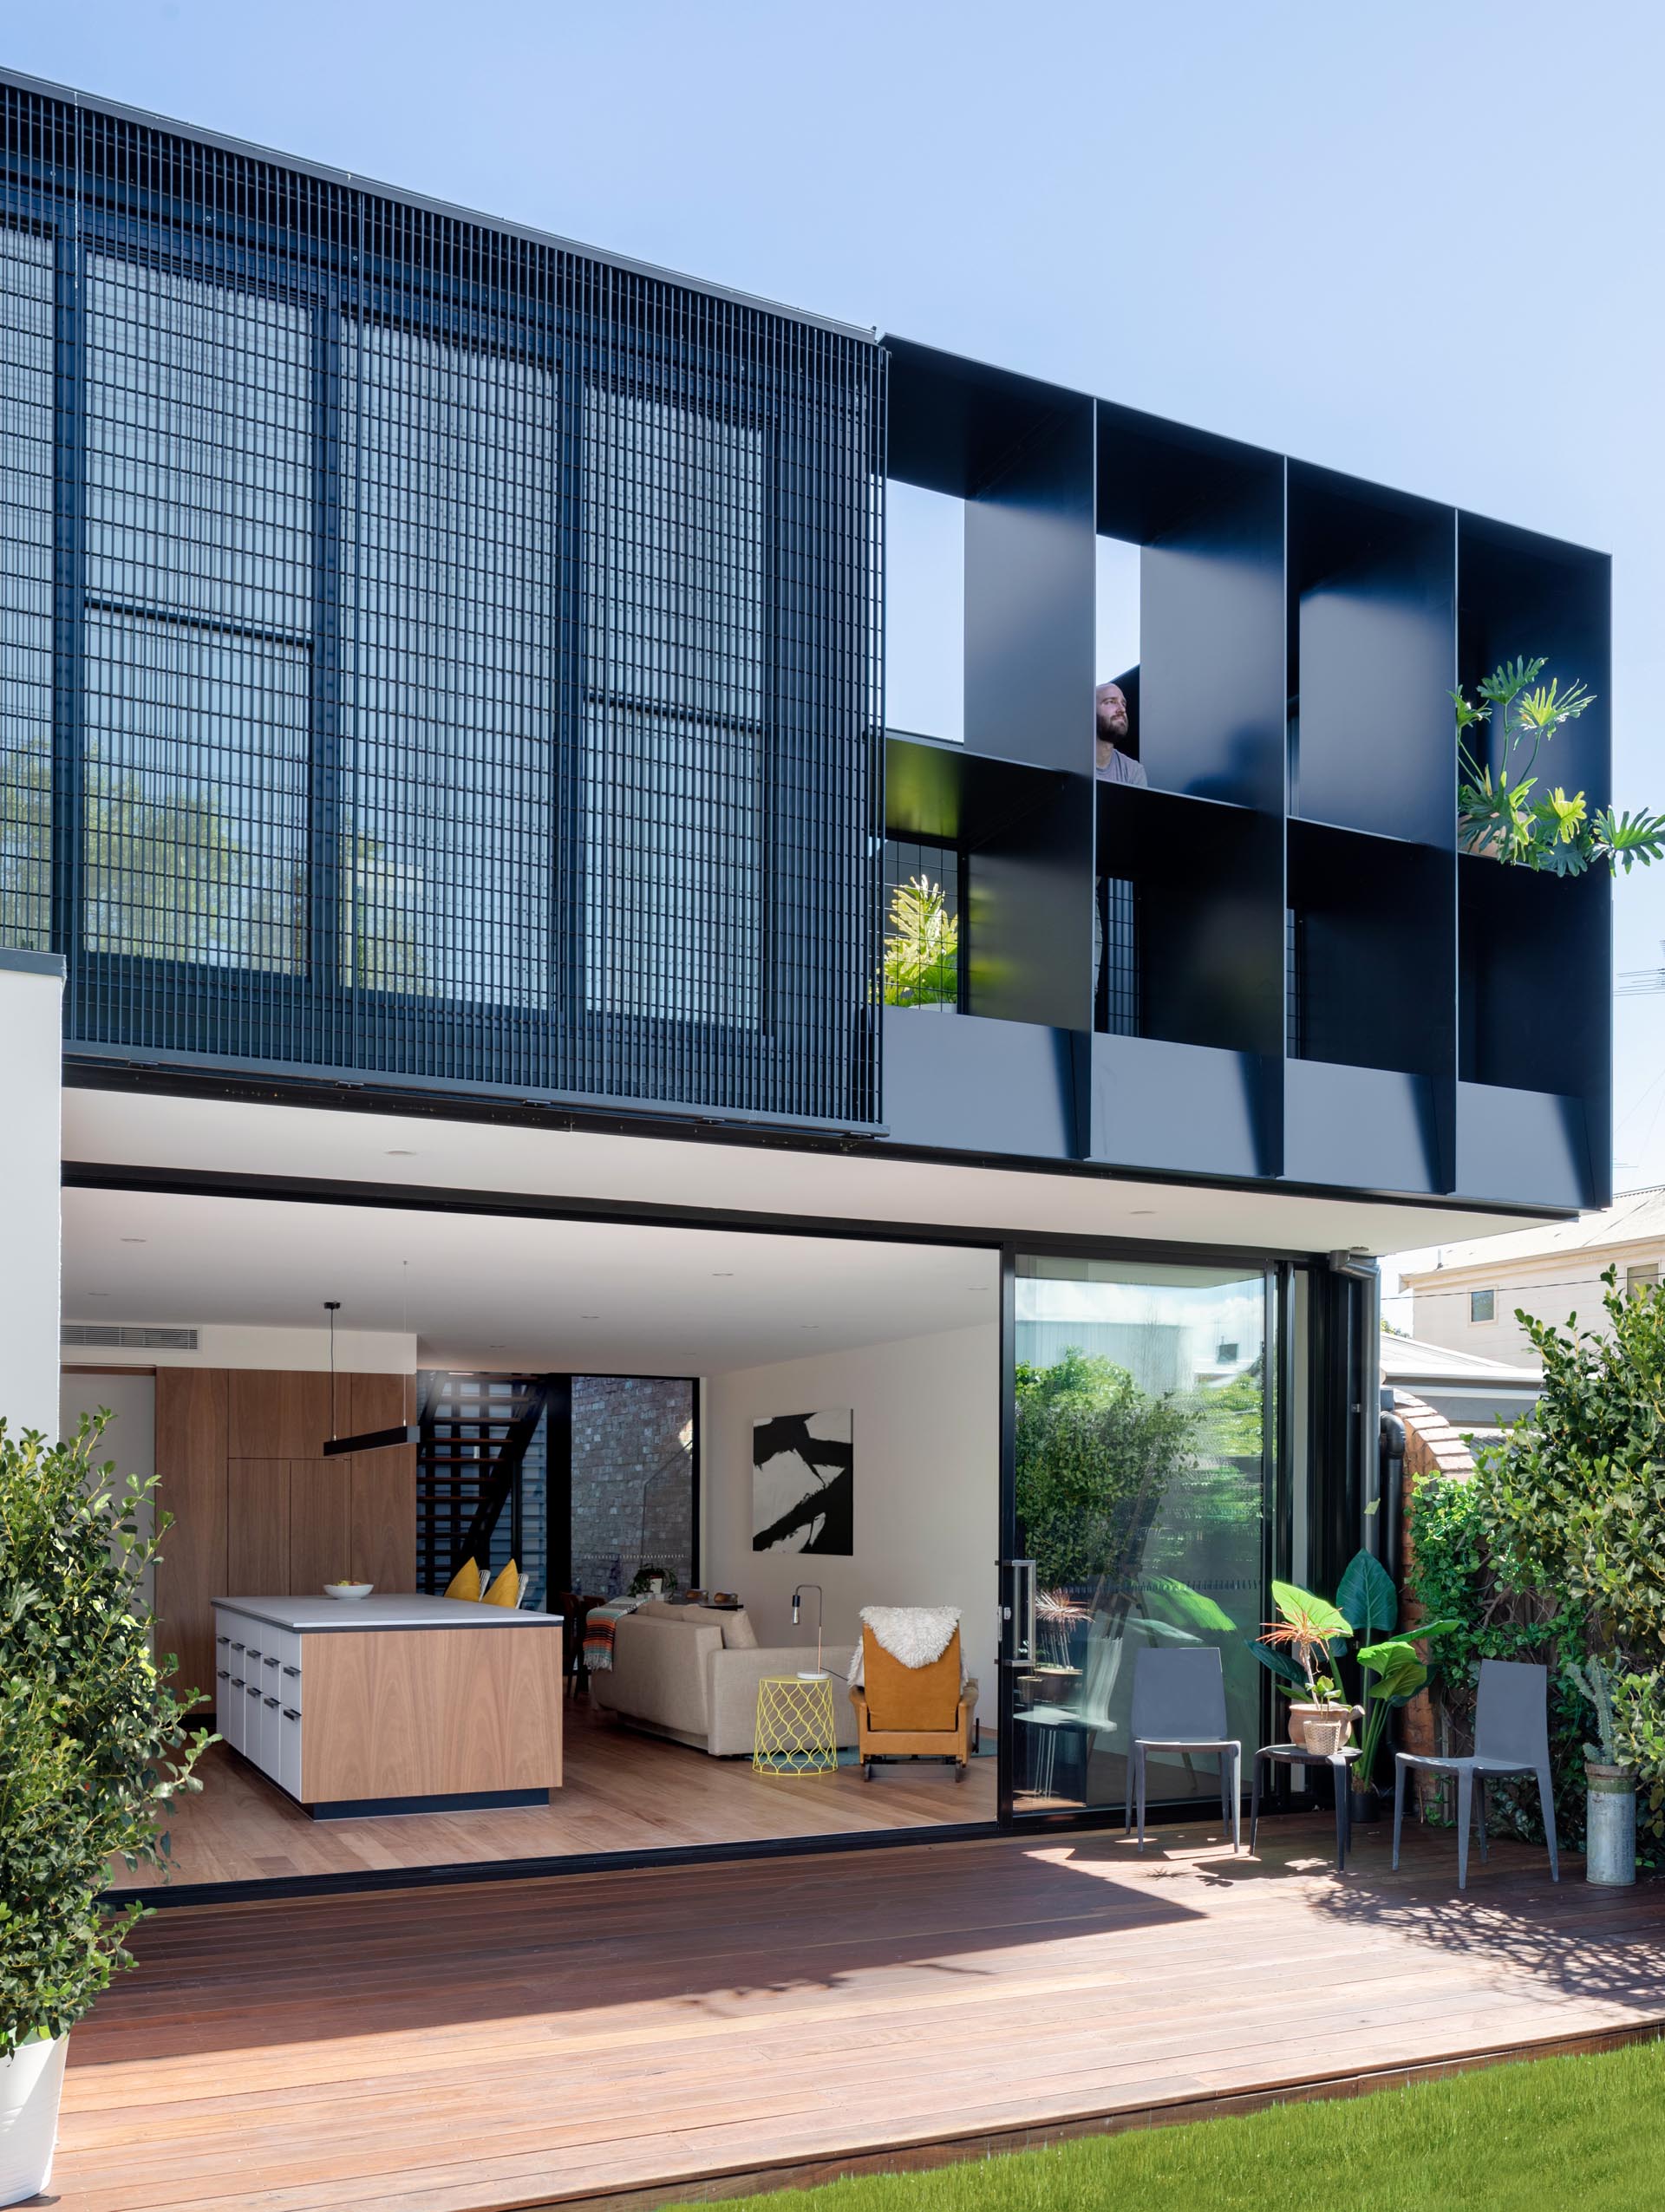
673, 767
1140, 1497
198, 447
450, 529
25, 590
632, 1481
196, 752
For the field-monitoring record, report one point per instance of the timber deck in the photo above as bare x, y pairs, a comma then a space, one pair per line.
698, 2031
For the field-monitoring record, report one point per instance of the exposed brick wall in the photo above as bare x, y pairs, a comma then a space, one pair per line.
1433, 1446
631, 1488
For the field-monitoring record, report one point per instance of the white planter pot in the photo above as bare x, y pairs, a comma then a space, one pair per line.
1610, 1844
31, 2083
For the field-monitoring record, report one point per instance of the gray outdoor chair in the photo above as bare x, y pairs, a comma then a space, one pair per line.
1179, 1706
1512, 1736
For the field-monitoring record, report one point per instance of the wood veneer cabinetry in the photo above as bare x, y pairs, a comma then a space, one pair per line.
257, 1508
192, 1411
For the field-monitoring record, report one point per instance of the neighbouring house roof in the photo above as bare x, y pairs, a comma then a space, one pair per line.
1635, 1218
1474, 1394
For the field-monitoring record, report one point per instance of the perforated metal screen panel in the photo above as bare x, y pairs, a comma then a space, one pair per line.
430, 652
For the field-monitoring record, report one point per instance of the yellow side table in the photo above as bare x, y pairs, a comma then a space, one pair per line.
795, 1732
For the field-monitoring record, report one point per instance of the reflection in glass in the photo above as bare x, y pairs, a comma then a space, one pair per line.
1140, 1478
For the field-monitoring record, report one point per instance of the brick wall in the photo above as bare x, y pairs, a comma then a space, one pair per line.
1433, 1446
632, 1487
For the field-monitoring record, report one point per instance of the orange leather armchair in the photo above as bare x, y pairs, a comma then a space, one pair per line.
912, 1711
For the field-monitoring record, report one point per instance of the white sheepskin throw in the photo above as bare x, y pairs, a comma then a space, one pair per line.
915, 1635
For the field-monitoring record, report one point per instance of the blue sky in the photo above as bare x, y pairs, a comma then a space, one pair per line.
1419, 242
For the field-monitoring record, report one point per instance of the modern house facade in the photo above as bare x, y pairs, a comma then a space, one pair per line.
449, 823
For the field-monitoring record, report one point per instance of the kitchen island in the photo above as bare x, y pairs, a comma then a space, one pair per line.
402, 1703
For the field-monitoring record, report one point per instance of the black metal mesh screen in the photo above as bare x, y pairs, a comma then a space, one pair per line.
431, 652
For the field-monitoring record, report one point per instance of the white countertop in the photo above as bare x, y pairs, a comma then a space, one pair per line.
394, 1609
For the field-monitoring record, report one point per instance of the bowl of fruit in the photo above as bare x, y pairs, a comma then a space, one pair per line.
347, 1589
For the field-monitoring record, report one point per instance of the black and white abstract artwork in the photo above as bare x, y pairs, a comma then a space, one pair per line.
803, 1484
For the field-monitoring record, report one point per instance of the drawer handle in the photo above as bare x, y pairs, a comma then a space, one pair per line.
272, 1702
236, 1681
271, 1662
222, 1640
290, 1714
222, 1675
253, 1654
253, 1690
239, 1647
294, 1671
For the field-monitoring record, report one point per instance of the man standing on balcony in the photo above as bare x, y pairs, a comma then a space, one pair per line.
1113, 918
1118, 749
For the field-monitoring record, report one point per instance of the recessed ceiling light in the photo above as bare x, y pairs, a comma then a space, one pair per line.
135, 1240
397, 1154
722, 1275
589, 1317
1141, 1209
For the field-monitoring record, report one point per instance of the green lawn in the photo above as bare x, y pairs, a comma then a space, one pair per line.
1577, 2135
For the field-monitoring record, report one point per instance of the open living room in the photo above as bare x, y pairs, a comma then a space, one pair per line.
647, 1479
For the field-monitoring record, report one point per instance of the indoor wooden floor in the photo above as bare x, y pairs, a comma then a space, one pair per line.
622, 1792
691, 2030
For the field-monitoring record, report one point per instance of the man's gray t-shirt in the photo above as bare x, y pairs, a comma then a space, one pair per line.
1122, 768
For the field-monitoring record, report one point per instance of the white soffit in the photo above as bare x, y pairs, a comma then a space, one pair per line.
489, 1291
130, 1129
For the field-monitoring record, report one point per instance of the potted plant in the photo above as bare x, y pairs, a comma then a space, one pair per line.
1610, 1784
1497, 813
92, 1746
1303, 1648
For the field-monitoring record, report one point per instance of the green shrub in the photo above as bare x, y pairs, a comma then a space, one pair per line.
1096, 1455
1556, 1547
92, 1740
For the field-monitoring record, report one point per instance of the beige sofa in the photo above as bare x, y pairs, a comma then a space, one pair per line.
691, 1673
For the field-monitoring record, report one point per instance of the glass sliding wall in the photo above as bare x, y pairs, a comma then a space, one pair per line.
1143, 1478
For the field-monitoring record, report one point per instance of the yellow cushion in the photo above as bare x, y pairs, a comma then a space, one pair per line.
466, 1582
506, 1588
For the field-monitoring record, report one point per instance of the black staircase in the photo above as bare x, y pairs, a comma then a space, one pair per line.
474, 1431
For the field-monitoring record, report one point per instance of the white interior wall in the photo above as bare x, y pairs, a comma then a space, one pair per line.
31, 993
130, 1439
927, 1487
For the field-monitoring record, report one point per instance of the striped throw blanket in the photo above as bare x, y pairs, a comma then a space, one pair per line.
600, 1630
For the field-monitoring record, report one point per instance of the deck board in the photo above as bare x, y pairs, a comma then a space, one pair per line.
689, 2029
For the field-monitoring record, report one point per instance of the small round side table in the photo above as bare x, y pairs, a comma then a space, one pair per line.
1298, 1755
796, 1732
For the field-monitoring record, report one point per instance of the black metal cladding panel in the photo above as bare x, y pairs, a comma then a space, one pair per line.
429, 651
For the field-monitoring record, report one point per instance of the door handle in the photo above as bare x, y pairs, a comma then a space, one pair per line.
1023, 1610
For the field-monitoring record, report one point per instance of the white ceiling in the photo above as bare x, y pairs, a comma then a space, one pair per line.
513, 1294
134, 1129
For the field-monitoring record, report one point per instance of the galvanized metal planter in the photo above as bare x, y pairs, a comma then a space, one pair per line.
1611, 1851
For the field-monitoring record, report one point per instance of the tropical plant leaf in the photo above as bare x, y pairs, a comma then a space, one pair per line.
1294, 1605
1366, 1594
1279, 1663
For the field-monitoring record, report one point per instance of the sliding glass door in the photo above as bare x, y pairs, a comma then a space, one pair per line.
1143, 1457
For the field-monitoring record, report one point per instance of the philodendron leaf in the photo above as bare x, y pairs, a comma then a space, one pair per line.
1296, 1604
1279, 1663
1366, 1595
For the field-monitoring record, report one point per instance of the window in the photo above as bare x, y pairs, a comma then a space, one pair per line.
673, 766
198, 660
1645, 1277
1482, 1305
450, 526
26, 432
923, 951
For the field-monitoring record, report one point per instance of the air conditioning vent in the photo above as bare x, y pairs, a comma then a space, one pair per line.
110, 1336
